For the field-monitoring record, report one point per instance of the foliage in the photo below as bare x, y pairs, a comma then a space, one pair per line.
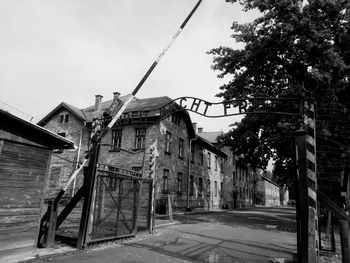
294, 49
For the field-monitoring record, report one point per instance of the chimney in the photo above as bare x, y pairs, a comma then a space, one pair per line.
200, 130
98, 101
116, 95
194, 124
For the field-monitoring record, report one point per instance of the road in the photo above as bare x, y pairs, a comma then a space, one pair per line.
250, 235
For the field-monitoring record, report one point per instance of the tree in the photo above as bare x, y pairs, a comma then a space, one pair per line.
295, 49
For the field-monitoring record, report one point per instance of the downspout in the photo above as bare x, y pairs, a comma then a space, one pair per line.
188, 175
78, 157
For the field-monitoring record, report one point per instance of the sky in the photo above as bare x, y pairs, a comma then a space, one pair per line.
54, 51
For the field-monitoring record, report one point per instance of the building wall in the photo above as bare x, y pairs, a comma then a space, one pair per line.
64, 163
284, 195
268, 194
225, 185
243, 191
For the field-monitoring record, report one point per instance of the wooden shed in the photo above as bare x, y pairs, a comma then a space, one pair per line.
25, 152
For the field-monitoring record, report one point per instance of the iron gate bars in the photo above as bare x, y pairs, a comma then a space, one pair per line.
114, 204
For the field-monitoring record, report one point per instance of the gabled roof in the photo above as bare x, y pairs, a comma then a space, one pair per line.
22, 128
147, 104
63, 105
210, 136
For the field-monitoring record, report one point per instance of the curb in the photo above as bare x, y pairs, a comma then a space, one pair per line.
166, 224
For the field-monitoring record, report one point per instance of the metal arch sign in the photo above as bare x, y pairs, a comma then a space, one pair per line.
226, 108
208, 109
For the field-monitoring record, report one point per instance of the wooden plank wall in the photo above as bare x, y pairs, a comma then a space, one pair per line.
23, 171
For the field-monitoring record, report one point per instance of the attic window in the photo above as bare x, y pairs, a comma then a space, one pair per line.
64, 118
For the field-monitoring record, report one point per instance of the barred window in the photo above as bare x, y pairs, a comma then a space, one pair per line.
117, 138
140, 139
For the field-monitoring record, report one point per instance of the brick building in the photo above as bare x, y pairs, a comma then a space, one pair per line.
239, 180
189, 168
268, 192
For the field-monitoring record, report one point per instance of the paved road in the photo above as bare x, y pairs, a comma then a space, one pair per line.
252, 235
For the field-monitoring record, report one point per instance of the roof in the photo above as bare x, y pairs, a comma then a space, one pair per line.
208, 145
270, 181
210, 136
63, 105
24, 129
147, 104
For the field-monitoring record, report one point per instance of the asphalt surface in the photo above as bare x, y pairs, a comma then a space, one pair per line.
251, 235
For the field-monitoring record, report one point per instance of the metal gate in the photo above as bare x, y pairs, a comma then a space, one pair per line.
111, 201
114, 206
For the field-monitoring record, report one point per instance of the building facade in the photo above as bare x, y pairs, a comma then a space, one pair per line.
239, 180
268, 192
186, 167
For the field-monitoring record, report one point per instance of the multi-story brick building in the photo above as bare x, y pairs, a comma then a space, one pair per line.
188, 167
238, 182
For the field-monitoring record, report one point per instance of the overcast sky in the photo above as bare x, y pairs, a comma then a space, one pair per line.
70, 50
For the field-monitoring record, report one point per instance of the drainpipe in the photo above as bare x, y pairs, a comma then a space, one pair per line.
188, 176
78, 157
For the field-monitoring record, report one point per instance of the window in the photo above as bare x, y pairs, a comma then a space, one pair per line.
116, 138
221, 188
140, 139
209, 160
215, 188
167, 142
200, 186
222, 165
192, 153
179, 182
208, 187
181, 148
64, 118
175, 118
191, 185
216, 163
201, 157
165, 185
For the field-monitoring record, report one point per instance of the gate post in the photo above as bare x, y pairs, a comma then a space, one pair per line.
306, 160
88, 185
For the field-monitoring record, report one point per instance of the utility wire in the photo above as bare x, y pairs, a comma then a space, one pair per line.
31, 117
